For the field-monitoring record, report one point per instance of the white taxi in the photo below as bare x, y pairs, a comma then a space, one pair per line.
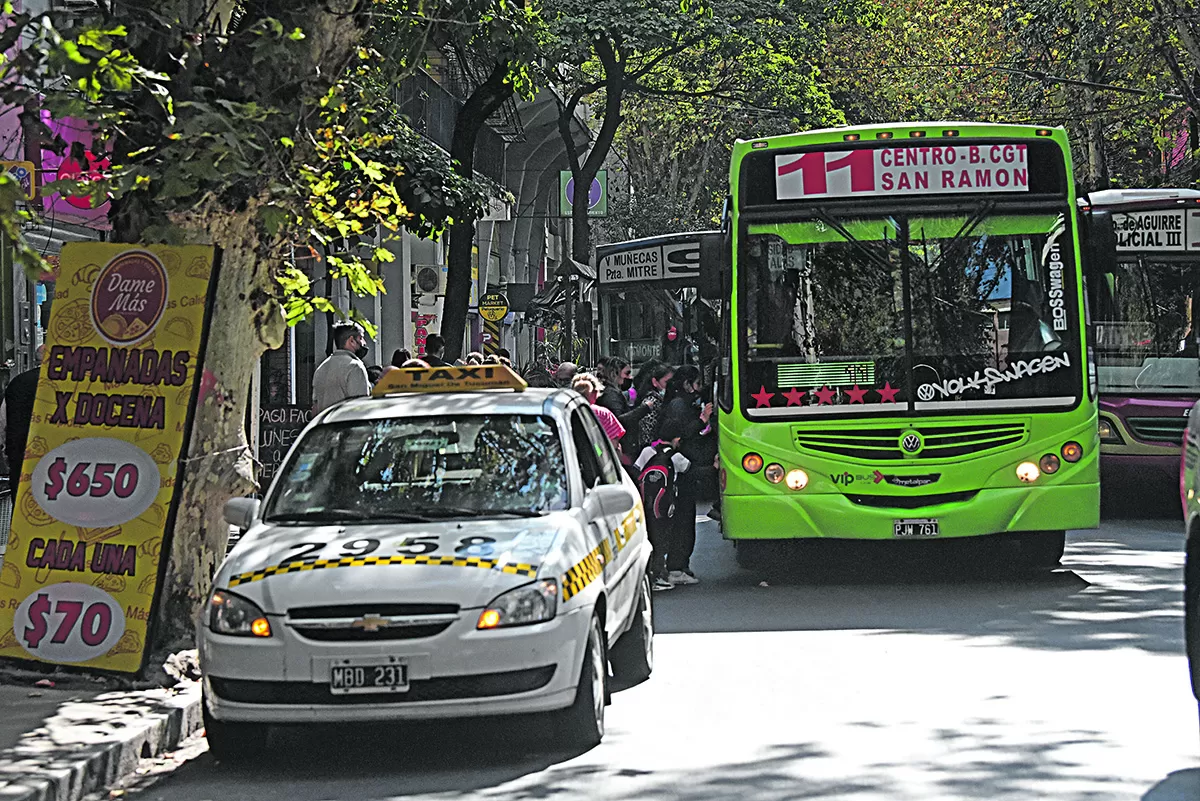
442, 549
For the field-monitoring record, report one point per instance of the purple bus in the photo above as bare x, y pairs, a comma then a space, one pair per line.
1144, 316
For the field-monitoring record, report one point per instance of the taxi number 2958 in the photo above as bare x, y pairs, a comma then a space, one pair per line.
409, 546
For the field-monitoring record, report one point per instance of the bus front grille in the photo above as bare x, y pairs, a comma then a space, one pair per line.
1158, 429
939, 441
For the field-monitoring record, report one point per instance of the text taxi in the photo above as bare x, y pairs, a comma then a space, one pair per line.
448, 548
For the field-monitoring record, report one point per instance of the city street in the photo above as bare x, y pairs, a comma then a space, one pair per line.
888, 673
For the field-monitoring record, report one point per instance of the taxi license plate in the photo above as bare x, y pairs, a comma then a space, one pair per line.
922, 527
368, 675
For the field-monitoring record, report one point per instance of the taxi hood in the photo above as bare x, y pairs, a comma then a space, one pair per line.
463, 562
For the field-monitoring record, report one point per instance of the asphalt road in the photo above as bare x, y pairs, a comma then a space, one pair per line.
863, 673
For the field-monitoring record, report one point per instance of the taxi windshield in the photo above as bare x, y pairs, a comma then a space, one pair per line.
412, 469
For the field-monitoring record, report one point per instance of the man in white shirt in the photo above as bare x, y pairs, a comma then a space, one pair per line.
342, 375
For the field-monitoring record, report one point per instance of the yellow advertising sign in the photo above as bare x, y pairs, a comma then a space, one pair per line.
447, 379
96, 493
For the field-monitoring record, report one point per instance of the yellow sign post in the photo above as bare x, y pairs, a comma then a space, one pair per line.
96, 499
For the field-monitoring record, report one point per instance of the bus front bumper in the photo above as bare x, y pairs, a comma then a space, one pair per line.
835, 516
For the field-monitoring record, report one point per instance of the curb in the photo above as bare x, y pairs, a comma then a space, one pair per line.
87, 746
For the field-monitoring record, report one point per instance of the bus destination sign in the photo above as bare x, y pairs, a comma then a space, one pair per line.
903, 170
1164, 231
649, 263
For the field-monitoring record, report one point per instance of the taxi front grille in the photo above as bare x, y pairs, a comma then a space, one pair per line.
883, 444
446, 688
1158, 429
411, 632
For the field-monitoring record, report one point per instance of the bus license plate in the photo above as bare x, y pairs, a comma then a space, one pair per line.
923, 527
370, 675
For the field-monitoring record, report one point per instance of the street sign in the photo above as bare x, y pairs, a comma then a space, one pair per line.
493, 306
1165, 230
24, 173
597, 194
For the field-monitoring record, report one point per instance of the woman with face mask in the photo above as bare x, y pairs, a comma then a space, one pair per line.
617, 376
657, 375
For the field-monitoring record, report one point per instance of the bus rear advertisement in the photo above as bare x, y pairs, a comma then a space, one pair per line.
905, 348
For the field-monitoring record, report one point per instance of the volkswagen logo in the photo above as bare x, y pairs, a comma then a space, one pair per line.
911, 442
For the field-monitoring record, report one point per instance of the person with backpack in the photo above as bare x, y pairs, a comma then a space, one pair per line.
659, 467
652, 397
685, 414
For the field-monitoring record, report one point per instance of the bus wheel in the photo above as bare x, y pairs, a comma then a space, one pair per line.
1041, 549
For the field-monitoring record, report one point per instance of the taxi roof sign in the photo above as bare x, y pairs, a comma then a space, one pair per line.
468, 378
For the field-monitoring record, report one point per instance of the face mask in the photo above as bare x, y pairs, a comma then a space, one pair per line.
362, 352
626, 384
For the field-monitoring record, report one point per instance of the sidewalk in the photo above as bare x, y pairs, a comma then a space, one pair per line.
61, 744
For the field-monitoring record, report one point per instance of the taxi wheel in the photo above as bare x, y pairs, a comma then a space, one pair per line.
581, 725
1041, 549
633, 655
231, 742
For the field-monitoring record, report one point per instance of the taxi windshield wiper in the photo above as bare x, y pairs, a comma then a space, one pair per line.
467, 511
341, 515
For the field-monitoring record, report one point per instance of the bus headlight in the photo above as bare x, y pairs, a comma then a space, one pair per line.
774, 473
797, 479
1073, 451
1027, 472
752, 463
1049, 463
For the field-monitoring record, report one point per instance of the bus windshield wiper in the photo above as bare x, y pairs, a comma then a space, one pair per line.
859, 245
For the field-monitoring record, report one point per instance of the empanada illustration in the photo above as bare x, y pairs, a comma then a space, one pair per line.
114, 326
10, 576
8, 639
36, 448
200, 268
110, 584
162, 453
130, 643
151, 548
147, 585
181, 327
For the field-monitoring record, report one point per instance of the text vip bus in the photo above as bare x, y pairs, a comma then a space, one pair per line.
1143, 303
905, 349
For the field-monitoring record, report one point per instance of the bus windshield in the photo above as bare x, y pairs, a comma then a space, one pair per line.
991, 318
1142, 314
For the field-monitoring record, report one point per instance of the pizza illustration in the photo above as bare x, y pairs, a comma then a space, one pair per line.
71, 323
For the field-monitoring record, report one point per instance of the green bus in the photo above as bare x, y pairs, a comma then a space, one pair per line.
904, 351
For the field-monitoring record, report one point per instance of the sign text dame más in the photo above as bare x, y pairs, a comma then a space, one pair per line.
902, 171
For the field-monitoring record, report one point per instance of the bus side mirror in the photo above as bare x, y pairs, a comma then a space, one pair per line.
1100, 235
714, 266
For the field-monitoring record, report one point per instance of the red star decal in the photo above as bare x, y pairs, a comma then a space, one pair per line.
794, 396
762, 397
856, 395
887, 394
824, 395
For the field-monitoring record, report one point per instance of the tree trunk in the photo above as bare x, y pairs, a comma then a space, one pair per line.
246, 321
483, 102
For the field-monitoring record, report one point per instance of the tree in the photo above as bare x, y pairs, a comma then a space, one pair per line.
500, 46
260, 127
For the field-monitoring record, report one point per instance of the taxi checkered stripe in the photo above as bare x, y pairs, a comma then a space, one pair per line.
517, 569
585, 572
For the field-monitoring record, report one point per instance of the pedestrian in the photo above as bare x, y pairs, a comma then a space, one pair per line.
565, 373
435, 347
342, 374
17, 411
400, 356
589, 386
641, 382
474, 357
652, 397
419, 364
617, 376
686, 415
659, 468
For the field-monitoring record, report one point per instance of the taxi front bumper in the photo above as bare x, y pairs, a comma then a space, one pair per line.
460, 672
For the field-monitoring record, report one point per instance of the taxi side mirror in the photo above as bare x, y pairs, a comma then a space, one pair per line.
241, 512
611, 499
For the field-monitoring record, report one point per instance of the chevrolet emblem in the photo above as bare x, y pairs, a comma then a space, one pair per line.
370, 623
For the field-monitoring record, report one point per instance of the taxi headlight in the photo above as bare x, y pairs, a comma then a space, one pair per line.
233, 614
532, 603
